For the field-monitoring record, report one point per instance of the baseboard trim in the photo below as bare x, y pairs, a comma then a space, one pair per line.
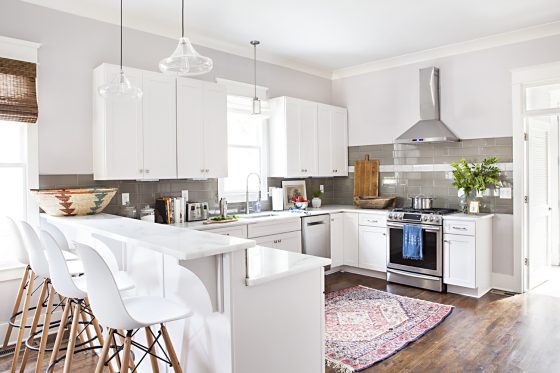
504, 282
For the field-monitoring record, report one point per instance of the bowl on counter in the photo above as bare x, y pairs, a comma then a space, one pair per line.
301, 205
74, 201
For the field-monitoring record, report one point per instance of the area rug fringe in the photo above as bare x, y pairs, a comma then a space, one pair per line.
338, 366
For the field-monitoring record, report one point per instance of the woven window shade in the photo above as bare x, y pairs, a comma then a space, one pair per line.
18, 91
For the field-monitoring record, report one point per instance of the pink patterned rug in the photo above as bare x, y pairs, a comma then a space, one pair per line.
365, 326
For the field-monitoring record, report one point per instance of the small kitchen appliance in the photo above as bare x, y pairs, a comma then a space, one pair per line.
197, 211
426, 273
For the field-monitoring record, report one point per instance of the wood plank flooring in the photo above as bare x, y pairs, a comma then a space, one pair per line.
492, 334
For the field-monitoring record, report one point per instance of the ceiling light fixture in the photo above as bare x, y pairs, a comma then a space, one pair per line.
256, 101
185, 60
120, 87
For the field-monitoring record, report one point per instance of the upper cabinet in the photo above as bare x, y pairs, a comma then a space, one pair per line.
332, 140
307, 139
201, 129
178, 129
135, 139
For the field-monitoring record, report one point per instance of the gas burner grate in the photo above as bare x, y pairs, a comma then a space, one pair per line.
434, 211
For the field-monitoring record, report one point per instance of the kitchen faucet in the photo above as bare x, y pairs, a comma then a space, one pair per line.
258, 202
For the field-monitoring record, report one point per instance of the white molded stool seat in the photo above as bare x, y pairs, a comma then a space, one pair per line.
149, 310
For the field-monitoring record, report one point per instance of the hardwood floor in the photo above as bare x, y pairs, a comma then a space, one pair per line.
492, 334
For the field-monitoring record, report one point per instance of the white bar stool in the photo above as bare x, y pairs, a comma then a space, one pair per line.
40, 268
75, 292
130, 314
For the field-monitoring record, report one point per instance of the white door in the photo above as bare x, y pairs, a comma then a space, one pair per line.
337, 240
190, 129
339, 142
308, 138
539, 207
459, 255
351, 239
294, 163
324, 140
373, 248
159, 126
123, 131
215, 131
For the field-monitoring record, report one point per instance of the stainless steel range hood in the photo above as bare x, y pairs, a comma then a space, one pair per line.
430, 128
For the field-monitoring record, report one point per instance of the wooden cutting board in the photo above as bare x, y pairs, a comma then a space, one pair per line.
366, 178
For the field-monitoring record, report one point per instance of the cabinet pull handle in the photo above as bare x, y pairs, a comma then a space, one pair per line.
373, 221
202, 170
140, 170
459, 228
384, 234
207, 170
446, 241
147, 171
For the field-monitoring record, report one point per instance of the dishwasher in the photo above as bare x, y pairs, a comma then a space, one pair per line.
316, 235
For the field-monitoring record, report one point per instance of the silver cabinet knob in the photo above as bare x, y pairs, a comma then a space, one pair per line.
141, 171
207, 170
147, 171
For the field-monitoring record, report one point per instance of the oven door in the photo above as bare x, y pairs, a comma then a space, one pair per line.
432, 238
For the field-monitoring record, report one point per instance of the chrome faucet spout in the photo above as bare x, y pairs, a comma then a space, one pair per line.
247, 210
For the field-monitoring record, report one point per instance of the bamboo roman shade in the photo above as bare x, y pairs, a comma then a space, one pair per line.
18, 92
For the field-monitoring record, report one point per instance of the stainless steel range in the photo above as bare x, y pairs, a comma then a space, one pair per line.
426, 273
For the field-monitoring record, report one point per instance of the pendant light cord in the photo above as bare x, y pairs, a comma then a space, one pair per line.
182, 18
121, 36
255, 67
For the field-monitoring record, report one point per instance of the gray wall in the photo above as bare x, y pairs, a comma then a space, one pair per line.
72, 46
475, 93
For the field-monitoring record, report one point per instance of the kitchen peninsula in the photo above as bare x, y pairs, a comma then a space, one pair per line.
250, 302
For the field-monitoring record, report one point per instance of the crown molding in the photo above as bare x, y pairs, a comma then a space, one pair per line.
497, 40
16, 49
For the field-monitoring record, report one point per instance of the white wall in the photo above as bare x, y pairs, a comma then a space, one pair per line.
475, 93
72, 46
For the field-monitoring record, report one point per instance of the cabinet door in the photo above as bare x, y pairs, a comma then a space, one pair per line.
459, 253
339, 142
120, 132
337, 240
373, 248
351, 241
324, 141
215, 131
308, 138
190, 128
294, 164
284, 241
159, 126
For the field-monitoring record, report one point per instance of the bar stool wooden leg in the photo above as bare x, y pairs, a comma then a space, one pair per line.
72, 338
126, 352
87, 327
60, 333
153, 359
171, 350
36, 318
45, 334
100, 338
104, 353
131, 364
21, 332
21, 289
117, 356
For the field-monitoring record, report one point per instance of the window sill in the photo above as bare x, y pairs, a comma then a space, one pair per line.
11, 271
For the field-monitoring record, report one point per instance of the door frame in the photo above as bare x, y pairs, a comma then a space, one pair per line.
521, 79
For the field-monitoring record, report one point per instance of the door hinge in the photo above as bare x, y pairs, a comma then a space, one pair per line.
525, 136
526, 199
526, 261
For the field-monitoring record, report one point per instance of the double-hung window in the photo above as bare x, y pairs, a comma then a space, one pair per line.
247, 152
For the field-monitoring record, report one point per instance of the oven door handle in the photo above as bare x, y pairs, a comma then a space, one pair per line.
417, 275
427, 228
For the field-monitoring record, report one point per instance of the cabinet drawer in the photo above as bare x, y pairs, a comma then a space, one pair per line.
285, 241
465, 228
238, 231
373, 220
274, 227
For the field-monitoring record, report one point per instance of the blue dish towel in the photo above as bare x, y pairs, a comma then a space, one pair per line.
412, 242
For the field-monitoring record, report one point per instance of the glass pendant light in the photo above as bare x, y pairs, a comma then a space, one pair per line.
185, 60
120, 87
256, 101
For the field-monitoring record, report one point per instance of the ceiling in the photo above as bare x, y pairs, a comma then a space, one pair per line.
323, 36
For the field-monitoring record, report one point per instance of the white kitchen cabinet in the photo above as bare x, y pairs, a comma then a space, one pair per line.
293, 138
459, 253
351, 239
134, 139
239, 231
201, 129
467, 255
373, 248
290, 241
337, 240
332, 135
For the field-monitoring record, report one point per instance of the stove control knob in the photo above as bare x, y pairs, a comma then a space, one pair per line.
401, 216
431, 218
390, 216
437, 219
424, 218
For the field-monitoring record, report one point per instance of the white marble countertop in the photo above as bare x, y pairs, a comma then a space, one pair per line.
183, 244
461, 216
266, 264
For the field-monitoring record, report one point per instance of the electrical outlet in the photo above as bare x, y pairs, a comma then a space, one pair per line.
497, 192
125, 198
505, 193
322, 188
185, 194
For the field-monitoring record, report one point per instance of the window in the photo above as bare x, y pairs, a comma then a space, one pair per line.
247, 152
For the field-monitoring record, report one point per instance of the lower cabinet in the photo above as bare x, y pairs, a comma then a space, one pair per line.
284, 241
459, 253
373, 248
238, 231
351, 239
337, 240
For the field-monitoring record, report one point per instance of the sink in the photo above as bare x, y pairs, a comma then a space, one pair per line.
257, 216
